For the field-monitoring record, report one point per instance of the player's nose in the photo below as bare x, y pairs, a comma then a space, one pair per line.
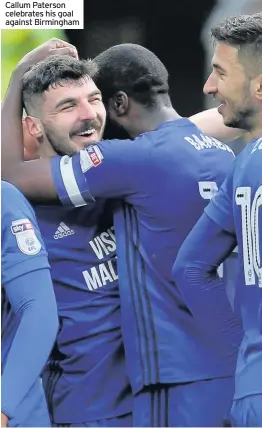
87, 112
210, 86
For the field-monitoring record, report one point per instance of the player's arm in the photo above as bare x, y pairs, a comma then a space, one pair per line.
27, 282
195, 271
211, 123
109, 169
33, 302
33, 178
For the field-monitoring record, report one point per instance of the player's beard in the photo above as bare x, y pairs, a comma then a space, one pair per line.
242, 119
63, 145
242, 116
59, 145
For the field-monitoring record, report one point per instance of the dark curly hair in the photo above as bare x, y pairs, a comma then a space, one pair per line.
55, 70
133, 69
245, 33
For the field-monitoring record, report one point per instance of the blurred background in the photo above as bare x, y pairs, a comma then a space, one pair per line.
177, 31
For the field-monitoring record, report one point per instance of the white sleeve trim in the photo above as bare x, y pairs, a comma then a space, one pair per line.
70, 183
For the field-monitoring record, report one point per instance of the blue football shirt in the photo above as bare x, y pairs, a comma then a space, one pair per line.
165, 179
237, 208
92, 381
27, 298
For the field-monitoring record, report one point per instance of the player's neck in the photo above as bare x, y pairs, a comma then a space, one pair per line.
151, 119
256, 131
46, 151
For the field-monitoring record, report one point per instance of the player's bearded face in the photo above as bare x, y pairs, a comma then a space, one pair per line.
231, 87
236, 108
74, 116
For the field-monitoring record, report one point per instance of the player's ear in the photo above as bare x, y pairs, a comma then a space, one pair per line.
31, 144
259, 87
33, 126
119, 102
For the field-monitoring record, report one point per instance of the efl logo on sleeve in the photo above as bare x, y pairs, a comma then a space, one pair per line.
90, 157
26, 238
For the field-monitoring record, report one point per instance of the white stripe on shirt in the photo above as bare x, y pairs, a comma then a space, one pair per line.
70, 183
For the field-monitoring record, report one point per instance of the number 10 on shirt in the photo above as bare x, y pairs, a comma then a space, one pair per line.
250, 233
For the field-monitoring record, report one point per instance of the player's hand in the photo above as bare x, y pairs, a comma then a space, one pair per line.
4, 420
51, 47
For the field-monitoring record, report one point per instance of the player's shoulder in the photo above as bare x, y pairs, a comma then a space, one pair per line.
201, 141
10, 193
10, 189
250, 156
7, 187
256, 150
249, 164
13, 200
115, 146
20, 233
189, 137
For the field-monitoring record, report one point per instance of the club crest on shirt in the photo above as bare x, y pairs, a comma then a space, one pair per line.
90, 157
26, 238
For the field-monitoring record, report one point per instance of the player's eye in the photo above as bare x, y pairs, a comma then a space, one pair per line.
220, 73
96, 99
68, 107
